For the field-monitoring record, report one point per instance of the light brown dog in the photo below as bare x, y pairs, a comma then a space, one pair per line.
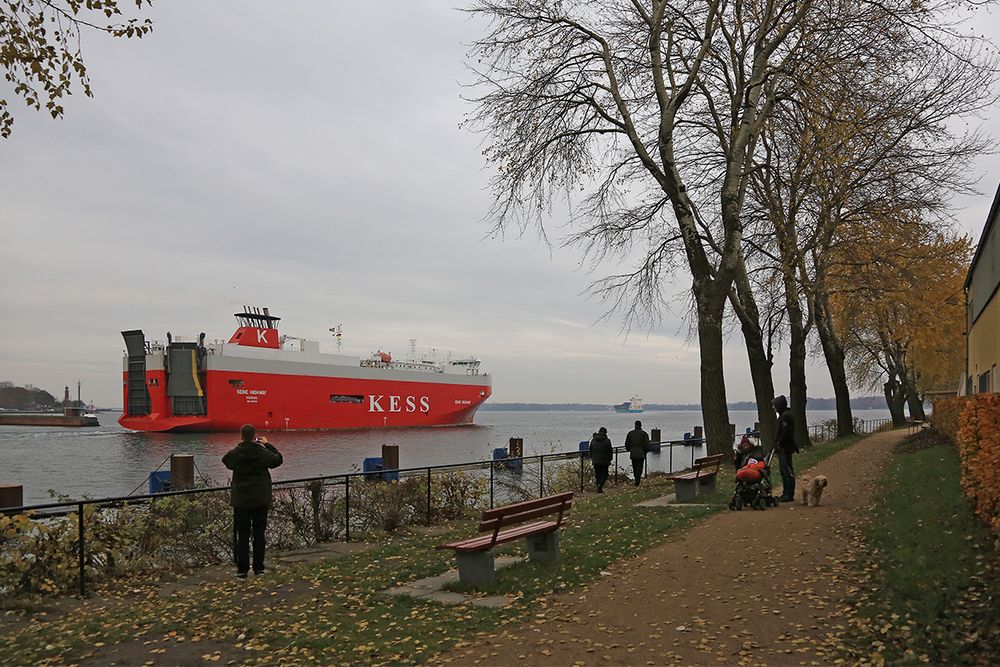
812, 489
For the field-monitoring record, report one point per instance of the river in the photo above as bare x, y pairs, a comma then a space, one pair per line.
108, 460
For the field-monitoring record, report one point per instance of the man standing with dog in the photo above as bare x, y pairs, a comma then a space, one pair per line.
784, 442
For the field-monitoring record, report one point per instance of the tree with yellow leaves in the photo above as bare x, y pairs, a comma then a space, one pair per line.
899, 312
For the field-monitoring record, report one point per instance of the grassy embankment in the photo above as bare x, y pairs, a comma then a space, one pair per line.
332, 611
934, 582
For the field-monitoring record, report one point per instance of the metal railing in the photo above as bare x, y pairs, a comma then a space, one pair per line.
828, 430
497, 470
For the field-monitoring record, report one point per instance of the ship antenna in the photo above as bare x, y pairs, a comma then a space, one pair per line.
336, 331
413, 349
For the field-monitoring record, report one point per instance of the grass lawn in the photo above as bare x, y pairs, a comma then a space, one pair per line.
332, 612
934, 594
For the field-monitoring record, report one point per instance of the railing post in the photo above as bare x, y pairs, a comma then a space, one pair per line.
79, 522
492, 466
347, 508
616, 465
541, 475
428, 496
581, 472
671, 464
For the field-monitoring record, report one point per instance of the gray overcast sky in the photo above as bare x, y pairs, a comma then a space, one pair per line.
306, 157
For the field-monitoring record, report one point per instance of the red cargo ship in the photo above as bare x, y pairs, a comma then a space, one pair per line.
283, 383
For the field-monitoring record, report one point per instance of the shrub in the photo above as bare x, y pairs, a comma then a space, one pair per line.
946, 414
458, 495
978, 441
36, 556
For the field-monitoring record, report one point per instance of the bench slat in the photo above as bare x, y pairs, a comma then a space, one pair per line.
527, 505
484, 542
706, 466
518, 513
526, 515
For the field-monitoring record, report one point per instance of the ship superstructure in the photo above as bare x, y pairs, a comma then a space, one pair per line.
285, 383
635, 405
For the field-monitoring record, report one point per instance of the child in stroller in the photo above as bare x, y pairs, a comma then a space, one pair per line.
753, 477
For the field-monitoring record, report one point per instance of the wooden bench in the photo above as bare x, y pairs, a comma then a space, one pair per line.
506, 524
700, 476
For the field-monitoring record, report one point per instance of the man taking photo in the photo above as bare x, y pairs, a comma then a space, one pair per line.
251, 461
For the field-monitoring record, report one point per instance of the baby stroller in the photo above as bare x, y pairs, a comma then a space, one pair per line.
753, 478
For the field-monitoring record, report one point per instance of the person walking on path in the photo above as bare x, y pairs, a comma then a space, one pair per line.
250, 462
637, 444
601, 451
784, 441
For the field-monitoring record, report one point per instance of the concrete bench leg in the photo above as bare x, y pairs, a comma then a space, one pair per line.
685, 490
475, 568
706, 484
544, 547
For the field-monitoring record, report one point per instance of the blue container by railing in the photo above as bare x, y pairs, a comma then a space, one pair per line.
159, 481
501, 457
372, 468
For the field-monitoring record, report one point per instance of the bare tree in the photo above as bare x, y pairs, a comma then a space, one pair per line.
651, 112
868, 141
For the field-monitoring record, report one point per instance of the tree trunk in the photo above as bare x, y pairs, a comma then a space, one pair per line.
895, 399
913, 400
714, 409
833, 352
796, 361
745, 307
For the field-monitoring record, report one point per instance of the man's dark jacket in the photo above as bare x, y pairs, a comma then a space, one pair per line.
601, 450
637, 443
785, 439
249, 462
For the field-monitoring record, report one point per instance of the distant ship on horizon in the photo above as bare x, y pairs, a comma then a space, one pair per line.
635, 405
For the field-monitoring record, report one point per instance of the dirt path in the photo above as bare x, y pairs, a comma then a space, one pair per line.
742, 588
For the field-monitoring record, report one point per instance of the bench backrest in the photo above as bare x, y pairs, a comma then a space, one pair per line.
706, 462
495, 519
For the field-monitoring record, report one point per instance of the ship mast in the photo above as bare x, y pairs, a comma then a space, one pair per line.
336, 331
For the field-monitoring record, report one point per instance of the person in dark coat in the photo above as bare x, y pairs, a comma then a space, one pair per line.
637, 444
784, 442
251, 461
601, 452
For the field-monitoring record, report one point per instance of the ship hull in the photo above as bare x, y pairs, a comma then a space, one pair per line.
222, 386
629, 410
277, 402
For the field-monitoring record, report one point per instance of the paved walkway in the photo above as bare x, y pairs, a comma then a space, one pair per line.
742, 588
